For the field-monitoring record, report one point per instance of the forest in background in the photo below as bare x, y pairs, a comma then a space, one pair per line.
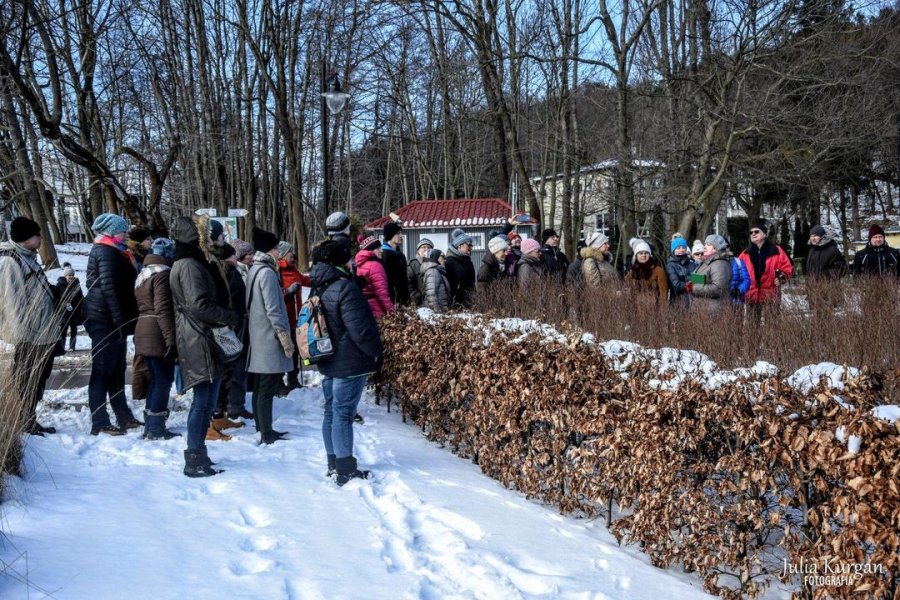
788, 107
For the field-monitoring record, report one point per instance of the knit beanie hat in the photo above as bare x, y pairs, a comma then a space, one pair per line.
817, 230
716, 241
68, 270
597, 239
498, 243
530, 245
435, 254
227, 252
698, 247
391, 229
264, 241
424, 242
216, 229
513, 235
678, 242
460, 237
547, 234
761, 226
284, 248
241, 248
369, 243
163, 247
638, 245
138, 234
875, 230
109, 224
23, 228
337, 222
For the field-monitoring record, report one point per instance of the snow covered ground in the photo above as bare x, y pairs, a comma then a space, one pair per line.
103, 517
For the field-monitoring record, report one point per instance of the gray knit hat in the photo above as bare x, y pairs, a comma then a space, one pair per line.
337, 222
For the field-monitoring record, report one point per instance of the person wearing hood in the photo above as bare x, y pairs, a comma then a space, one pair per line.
414, 271
110, 313
271, 343
201, 297
597, 266
493, 265
357, 353
460, 270
72, 301
716, 271
28, 318
553, 259
877, 258
394, 262
154, 335
825, 260
679, 267
645, 275
434, 282
370, 272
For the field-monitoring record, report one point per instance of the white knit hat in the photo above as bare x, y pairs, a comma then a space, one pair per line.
498, 243
638, 245
597, 239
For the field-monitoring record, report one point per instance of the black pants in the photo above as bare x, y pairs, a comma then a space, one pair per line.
32, 365
233, 392
73, 333
107, 376
265, 386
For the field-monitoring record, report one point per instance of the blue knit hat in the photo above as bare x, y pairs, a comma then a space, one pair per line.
110, 224
678, 242
460, 237
163, 247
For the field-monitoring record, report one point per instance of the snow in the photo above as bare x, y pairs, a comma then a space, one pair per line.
428, 524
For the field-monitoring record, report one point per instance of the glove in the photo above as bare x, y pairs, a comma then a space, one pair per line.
232, 319
689, 287
171, 354
286, 343
292, 289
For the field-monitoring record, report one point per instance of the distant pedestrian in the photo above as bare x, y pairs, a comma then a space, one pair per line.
645, 275
529, 269
825, 260
460, 270
769, 268
679, 267
394, 262
435, 285
414, 271
597, 266
877, 258
553, 260
72, 302
371, 274
493, 265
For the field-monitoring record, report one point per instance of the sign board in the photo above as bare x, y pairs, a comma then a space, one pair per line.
230, 226
211, 212
237, 212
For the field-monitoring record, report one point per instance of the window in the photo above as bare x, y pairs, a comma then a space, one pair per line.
478, 238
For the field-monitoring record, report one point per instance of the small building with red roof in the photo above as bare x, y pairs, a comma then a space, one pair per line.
437, 219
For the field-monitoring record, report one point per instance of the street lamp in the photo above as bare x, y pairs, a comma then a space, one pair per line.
333, 101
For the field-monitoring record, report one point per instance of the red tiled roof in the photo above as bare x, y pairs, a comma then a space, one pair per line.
476, 212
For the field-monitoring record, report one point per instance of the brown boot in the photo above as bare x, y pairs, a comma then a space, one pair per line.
213, 434
224, 423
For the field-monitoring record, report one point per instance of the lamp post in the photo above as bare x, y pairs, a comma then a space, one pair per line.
333, 101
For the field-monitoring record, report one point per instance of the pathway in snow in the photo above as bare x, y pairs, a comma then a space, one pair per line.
101, 517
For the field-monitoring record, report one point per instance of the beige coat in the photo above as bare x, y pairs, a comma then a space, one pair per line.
27, 305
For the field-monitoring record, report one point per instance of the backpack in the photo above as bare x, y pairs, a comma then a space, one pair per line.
313, 341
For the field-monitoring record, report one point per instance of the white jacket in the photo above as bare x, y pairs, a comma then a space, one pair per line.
27, 310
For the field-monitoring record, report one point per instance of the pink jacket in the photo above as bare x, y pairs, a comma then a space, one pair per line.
376, 287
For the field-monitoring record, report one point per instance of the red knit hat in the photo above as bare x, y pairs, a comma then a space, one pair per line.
513, 235
875, 230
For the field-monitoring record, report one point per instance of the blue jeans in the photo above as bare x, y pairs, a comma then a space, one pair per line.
342, 396
206, 395
162, 374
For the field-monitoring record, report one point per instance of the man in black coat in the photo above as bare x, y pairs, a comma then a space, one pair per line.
460, 270
553, 260
395, 264
357, 353
877, 258
110, 315
825, 260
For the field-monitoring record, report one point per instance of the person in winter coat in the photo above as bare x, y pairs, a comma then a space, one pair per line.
645, 275
201, 297
825, 260
154, 335
529, 269
271, 346
493, 265
394, 263
110, 312
715, 269
575, 272
243, 257
769, 267
678, 271
515, 252
233, 391
28, 317
460, 270
877, 258
370, 271
553, 259
414, 271
357, 353
292, 280
597, 267
434, 282
72, 302
740, 279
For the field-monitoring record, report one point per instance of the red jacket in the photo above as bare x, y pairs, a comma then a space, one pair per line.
762, 285
289, 276
376, 287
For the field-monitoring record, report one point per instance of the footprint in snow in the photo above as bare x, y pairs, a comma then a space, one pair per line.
254, 516
259, 543
251, 565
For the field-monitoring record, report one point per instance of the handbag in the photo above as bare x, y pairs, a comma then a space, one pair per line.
224, 344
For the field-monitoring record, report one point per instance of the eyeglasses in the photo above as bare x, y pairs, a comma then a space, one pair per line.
755, 231
698, 254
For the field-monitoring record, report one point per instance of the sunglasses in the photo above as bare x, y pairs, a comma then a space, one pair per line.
755, 231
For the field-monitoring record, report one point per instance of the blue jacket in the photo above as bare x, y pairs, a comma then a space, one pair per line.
352, 328
740, 280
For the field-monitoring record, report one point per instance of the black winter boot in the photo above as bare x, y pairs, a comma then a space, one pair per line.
331, 468
347, 470
195, 465
155, 426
